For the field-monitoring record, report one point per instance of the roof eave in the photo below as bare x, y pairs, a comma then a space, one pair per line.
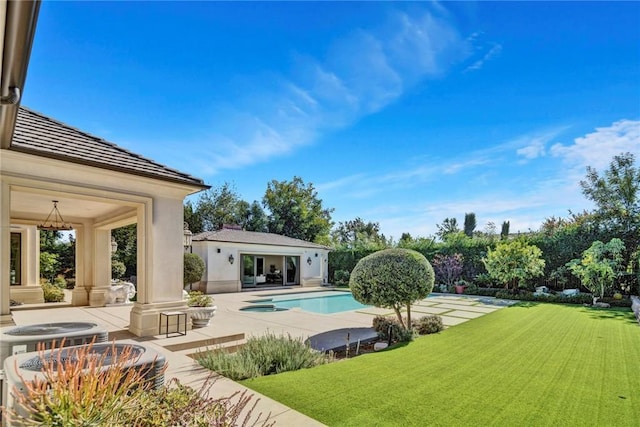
19, 30
195, 182
264, 244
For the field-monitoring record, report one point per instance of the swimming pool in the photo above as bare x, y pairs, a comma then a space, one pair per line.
316, 302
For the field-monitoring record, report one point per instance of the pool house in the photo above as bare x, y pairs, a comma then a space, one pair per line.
237, 260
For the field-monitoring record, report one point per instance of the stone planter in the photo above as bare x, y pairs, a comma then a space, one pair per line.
460, 289
201, 316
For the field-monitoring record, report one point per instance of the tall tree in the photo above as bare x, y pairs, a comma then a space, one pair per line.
616, 194
469, 223
220, 205
193, 218
504, 231
296, 211
358, 234
448, 226
256, 219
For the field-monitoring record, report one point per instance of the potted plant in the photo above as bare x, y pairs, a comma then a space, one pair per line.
201, 309
460, 285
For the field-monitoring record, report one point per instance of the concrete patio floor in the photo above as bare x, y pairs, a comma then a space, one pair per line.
230, 322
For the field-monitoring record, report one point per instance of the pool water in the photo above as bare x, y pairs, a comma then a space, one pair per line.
327, 303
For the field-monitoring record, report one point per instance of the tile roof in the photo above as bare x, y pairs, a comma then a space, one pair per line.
45, 137
253, 237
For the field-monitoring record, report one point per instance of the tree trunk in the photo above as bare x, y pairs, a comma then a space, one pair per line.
408, 316
397, 310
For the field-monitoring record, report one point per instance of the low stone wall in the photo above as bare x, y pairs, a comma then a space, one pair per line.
635, 306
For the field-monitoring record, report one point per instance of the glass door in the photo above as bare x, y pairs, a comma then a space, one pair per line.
248, 273
293, 271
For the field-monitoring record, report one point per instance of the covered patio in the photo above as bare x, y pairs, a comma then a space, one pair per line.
97, 187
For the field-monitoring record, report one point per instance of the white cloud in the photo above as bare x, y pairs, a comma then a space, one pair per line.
491, 53
534, 150
596, 149
361, 73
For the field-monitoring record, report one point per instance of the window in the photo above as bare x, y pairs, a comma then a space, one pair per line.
15, 264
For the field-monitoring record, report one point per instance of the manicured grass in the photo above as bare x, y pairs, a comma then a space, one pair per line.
531, 364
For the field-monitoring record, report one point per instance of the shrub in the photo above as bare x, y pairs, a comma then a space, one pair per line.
392, 278
78, 392
382, 324
198, 299
553, 298
471, 289
447, 268
341, 278
193, 268
430, 324
261, 356
514, 262
52, 293
488, 292
117, 269
484, 280
180, 405
614, 302
60, 282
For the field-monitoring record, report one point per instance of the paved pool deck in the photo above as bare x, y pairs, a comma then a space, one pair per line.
234, 324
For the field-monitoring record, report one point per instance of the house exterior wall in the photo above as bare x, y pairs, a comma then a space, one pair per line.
220, 276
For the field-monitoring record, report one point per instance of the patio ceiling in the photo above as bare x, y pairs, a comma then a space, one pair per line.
35, 206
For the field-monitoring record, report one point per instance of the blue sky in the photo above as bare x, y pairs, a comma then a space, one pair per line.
398, 113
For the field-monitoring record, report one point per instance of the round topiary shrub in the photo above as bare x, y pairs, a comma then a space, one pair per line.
193, 268
392, 278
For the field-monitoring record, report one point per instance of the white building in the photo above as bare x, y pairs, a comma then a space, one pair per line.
236, 259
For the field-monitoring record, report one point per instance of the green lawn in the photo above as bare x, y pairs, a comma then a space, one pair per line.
532, 364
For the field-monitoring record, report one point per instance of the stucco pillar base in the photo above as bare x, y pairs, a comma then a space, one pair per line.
98, 296
6, 320
30, 294
219, 287
144, 318
79, 296
311, 281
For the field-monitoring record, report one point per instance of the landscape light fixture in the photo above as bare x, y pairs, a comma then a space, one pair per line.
56, 223
186, 235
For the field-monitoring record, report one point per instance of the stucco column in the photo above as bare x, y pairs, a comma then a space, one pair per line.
84, 271
160, 264
30, 291
101, 267
5, 255
31, 257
